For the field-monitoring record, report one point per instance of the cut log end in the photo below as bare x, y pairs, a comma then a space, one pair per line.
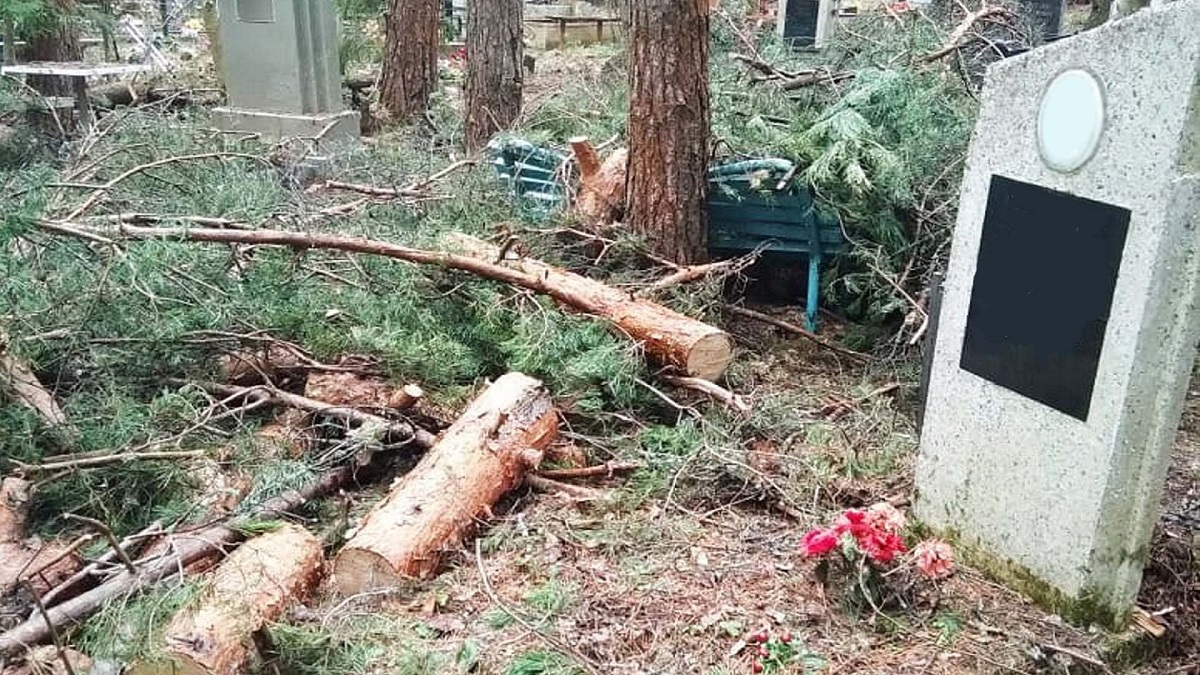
709, 356
359, 570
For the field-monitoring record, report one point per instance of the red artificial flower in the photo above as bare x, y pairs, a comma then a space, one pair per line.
885, 518
853, 521
819, 542
935, 559
882, 547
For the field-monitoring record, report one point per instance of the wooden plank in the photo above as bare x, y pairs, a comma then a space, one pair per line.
72, 69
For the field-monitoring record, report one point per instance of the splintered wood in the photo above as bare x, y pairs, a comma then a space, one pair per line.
480, 458
601, 198
252, 588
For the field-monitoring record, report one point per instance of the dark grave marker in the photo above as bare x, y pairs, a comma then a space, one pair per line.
1044, 281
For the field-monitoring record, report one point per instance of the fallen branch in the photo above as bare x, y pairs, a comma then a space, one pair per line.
694, 272
697, 349
956, 41
793, 328
602, 470
413, 190
16, 377
478, 460
108, 535
711, 389
552, 486
104, 460
70, 585
374, 423
839, 409
817, 76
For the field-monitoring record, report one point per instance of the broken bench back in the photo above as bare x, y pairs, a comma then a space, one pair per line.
755, 205
532, 174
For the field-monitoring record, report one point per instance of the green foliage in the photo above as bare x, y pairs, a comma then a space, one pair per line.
551, 598
131, 628
542, 662
881, 149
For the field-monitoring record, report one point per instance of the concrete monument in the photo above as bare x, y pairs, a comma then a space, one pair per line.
279, 59
804, 23
1070, 315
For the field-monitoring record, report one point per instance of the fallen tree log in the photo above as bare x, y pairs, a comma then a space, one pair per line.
480, 458
694, 347
250, 589
186, 548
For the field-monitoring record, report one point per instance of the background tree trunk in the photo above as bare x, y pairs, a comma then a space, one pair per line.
669, 126
410, 56
59, 42
494, 61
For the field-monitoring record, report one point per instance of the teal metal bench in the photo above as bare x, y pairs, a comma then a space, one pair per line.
747, 209
532, 175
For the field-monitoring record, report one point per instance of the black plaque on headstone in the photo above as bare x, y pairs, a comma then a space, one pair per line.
1043, 290
799, 19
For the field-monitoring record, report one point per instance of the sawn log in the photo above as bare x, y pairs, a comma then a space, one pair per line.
480, 458
250, 589
692, 346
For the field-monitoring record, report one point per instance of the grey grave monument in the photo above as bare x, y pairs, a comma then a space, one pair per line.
279, 59
1070, 315
804, 23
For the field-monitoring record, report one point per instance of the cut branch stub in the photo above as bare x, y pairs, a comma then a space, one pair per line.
253, 587
480, 458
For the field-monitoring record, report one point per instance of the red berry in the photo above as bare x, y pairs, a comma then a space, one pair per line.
763, 651
756, 667
785, 638
760, 636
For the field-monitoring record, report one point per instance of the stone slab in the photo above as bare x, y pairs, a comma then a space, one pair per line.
1066, 503
280, 55
275, 126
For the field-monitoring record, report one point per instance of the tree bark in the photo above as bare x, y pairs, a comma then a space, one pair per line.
693, 347
250, 589
480, 458
669, 121
58, 41
410, 56
495, 58
601, 197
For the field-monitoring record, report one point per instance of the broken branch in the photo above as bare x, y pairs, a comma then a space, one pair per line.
711, 389
697, 349
601, 470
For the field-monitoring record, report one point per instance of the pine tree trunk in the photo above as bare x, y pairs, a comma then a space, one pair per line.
495, 54
58, 42
409, 58
669, 126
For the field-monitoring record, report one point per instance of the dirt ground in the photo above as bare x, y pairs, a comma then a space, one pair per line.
675, 585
